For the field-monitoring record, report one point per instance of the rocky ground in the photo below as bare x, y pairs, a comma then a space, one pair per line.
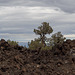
20, 61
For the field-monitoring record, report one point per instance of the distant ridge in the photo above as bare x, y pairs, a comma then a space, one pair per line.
23, 44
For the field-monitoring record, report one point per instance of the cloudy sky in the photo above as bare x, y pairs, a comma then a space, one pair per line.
18, 18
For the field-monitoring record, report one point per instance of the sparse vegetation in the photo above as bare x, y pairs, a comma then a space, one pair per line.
43, 42
56, 39
12, 43
35, 44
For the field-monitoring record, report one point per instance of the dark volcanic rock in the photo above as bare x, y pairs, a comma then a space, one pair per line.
3, 44
19, 61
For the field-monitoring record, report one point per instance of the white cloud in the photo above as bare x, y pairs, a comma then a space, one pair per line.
70, 36
27, 13
4, 29
18, 37
66, 17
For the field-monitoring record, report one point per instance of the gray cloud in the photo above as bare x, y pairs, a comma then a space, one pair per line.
26, 20
65, 5
20, 17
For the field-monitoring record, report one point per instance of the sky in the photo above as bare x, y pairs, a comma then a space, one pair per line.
18, 18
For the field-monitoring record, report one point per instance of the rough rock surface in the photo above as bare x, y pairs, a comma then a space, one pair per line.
19, 61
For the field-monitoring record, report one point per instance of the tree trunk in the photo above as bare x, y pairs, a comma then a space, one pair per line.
43, 40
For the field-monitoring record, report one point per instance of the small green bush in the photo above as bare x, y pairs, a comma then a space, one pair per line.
36, 44
46, 48
33, 45
56, 39
12, 43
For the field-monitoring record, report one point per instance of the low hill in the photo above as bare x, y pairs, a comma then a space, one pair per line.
17, 60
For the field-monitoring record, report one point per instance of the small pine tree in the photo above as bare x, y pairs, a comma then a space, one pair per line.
42, 31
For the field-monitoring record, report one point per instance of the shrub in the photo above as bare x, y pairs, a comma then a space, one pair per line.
46, 48
56, 39
34, 44
12, 43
